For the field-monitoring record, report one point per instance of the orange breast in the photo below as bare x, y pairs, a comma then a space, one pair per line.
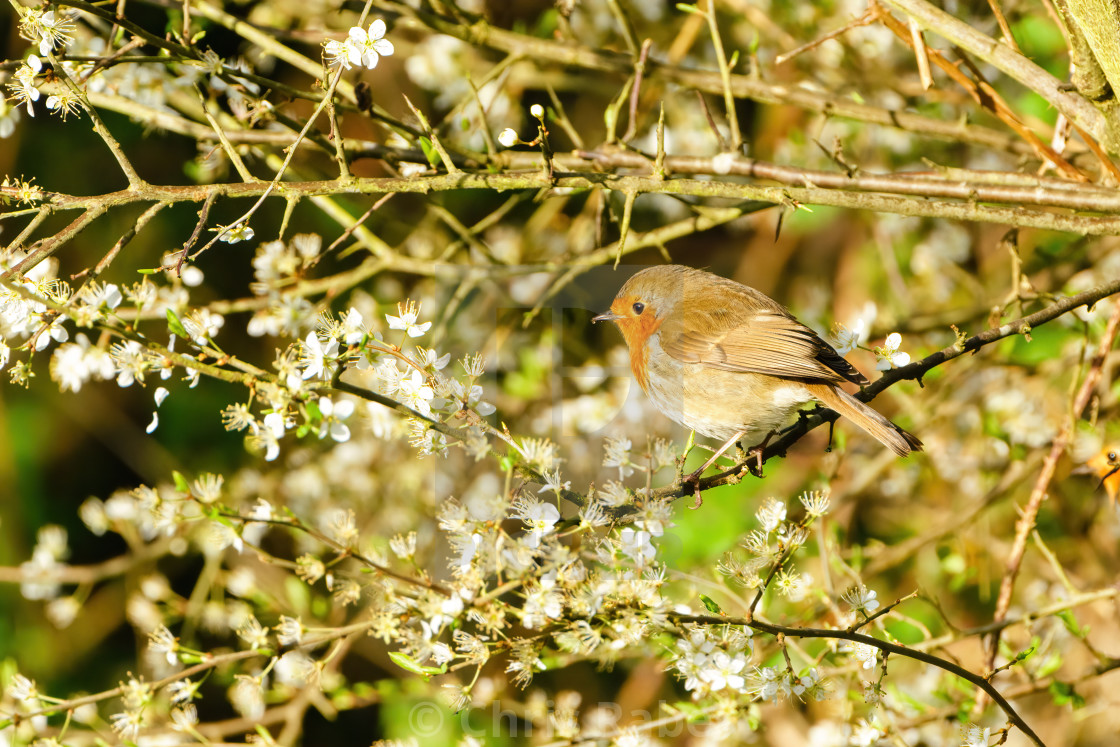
636, 331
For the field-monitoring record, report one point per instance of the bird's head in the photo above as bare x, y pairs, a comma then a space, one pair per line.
644, 301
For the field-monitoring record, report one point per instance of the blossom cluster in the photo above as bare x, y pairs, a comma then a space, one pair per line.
63, 84
362, 47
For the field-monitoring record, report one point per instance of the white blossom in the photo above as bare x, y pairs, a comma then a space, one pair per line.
861, 599
366, 47
974, 736
771, 514
333, 415
408, 312
235, 234
889, 355
315, 356
539, 518
637, 545
848, 339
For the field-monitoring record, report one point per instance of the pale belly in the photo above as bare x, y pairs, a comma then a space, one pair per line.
719, 403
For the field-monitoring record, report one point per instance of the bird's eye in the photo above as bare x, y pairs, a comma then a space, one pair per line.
1112, 456
639, 307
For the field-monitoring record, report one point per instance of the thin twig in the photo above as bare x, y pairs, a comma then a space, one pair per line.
1026, 522
92, 273
921, 54
203, 215
624, 226
984, 95
1007, 60
635, 91
725, 76
1004, 27
44, 248
866, 18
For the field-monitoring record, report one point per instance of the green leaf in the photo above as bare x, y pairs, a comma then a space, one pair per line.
214, 513
547, 23
1026, 653
429, 152
1064, 694
175, 325
1052, 664
407, 663
686, 8
1067, 618
710, 604
181, 483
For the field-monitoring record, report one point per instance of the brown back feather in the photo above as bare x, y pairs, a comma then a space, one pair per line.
729, 326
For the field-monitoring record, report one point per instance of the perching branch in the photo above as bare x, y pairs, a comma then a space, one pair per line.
889, 648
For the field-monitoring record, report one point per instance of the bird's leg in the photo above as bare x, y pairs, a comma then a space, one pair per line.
756, 452
695, 476
684, 454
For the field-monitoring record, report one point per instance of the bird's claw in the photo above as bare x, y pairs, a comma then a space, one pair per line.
694, 478
755, 454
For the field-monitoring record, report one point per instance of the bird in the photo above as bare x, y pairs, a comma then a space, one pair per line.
731, 363
1106, 465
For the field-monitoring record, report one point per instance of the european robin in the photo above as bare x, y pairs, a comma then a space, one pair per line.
731, 363
1106, 466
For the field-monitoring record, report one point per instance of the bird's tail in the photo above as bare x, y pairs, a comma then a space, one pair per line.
889, 434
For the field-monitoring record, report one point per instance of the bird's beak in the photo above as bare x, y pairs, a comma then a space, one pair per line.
606, 316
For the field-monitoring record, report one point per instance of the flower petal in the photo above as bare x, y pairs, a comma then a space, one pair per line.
354, 54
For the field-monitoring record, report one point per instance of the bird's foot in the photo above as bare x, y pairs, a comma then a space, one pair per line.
699, 501
694, 478
756, 453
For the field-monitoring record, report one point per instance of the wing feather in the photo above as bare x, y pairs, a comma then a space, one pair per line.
751, 335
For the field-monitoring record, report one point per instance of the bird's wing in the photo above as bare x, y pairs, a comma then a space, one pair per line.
745, 335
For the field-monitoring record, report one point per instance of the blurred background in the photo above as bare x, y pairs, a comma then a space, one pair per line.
488, 268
